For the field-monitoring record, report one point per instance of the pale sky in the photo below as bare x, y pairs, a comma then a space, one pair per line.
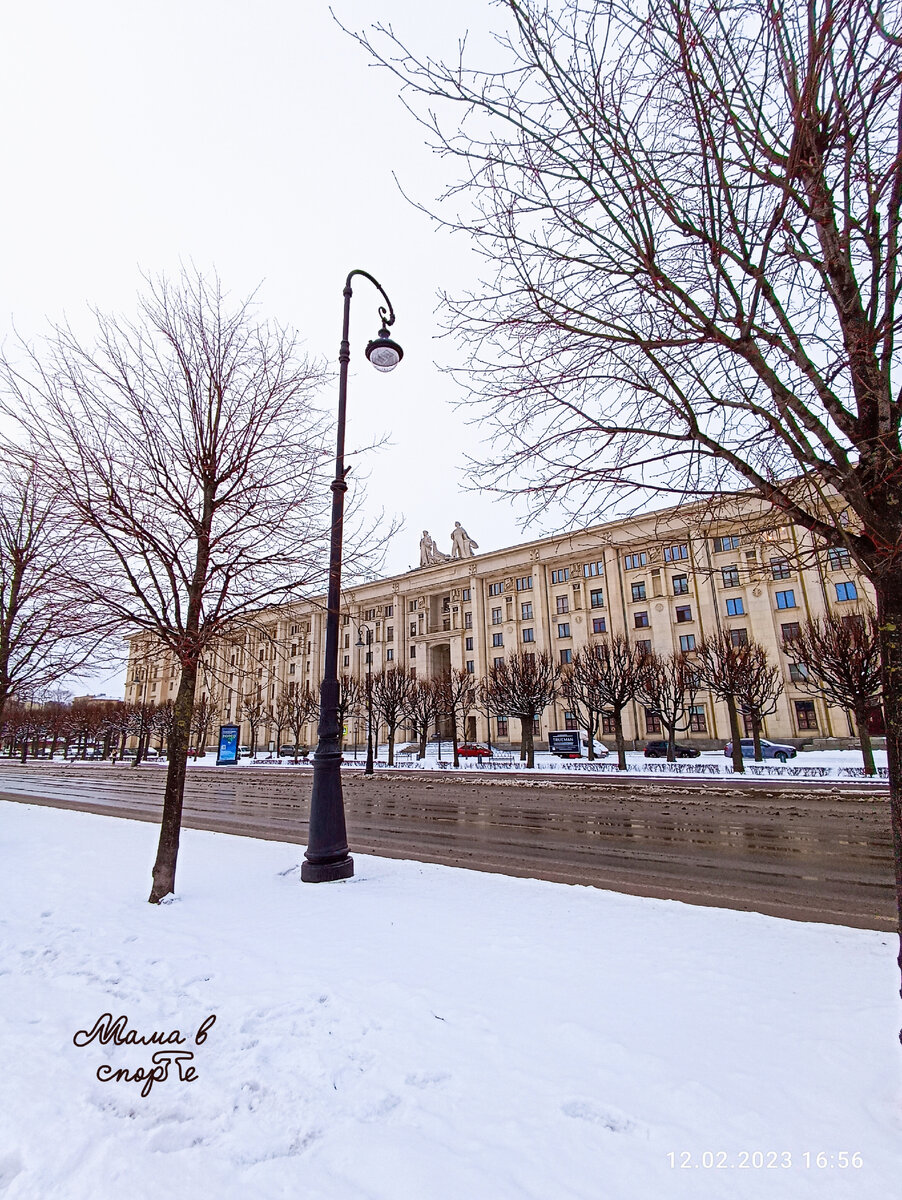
256, 139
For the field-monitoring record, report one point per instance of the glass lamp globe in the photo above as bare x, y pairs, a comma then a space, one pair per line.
383, 353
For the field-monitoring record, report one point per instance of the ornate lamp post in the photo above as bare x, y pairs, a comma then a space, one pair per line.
327, 856
369, 695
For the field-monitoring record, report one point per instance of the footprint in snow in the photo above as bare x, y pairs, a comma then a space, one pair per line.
421, 1079
585, 1110
11, 1165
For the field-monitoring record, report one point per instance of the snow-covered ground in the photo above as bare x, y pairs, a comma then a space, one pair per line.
808, 764
427, 1033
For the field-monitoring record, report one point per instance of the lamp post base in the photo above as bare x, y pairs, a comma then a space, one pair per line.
327, 872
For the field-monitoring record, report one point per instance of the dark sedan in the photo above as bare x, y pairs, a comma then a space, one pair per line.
659, 750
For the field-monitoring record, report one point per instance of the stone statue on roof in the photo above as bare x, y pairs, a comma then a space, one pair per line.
429, 552
462, 545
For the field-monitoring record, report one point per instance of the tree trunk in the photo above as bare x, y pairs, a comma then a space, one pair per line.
527, 742
735, 735
756, 736
671, 744
889, 620
171, 824
619, 738
391, 746
864, 739
590, 733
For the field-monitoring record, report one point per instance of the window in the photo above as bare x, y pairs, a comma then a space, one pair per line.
730, 576
413, 652
607, 723
346, 619
561, 575
596, 598
566, 657
592, 569
526, 611
652, 722
739, 637
291, 667
638, 590
798, 672
411, 606
537, 724
563, 630
779, 568
730, 542
599, 625
675, 553
496, 616
369, 656
683, 613
697, 718
524, 583
468, 620
497, 639
413, 629
632, 561
570, 721
495, 589
640, 620
389, 610
468, 643
498, 662
643, 646
839, 558
680, 585
471, 668
846, 591
687, 642
806, 716
501, 727
529, 635
786, 599
790, 631
369, 614
389, 655
562, 604
464, 595
735, 607
347, 641
347, 663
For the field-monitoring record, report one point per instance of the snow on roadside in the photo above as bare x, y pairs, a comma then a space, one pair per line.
424, 1032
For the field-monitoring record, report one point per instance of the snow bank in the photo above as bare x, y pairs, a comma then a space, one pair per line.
423, 1032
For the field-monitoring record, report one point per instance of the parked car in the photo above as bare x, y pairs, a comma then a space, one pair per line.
244, 752
768, 749
473, 750
659, 750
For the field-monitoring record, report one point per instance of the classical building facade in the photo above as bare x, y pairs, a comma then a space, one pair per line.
666, 579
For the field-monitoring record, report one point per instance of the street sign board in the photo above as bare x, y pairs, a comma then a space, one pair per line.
228, 745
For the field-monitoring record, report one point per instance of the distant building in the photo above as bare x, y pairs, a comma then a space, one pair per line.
666, 579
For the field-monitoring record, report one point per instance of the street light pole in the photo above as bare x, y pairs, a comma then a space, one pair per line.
327, 857
369, 695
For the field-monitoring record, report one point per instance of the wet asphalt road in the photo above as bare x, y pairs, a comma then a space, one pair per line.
813, 852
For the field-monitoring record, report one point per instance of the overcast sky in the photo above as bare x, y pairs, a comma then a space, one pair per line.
256, 139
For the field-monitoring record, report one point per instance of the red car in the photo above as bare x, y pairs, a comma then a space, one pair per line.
473, 750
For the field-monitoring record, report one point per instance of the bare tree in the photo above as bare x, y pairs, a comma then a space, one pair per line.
45, 632
455, 694
254, 712
391, 693
667, 687
192, 463
607, 673
691, 215
759, 692
423, 710
351, 700
300, 705
204, 712
839, 659
723, 664
522, 686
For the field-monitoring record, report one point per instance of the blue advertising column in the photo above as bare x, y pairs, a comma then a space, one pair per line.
228, 745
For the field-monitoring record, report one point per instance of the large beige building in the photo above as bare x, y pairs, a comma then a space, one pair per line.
666, 578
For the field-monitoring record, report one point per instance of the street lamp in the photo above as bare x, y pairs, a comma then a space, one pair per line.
327, 857
369, 695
